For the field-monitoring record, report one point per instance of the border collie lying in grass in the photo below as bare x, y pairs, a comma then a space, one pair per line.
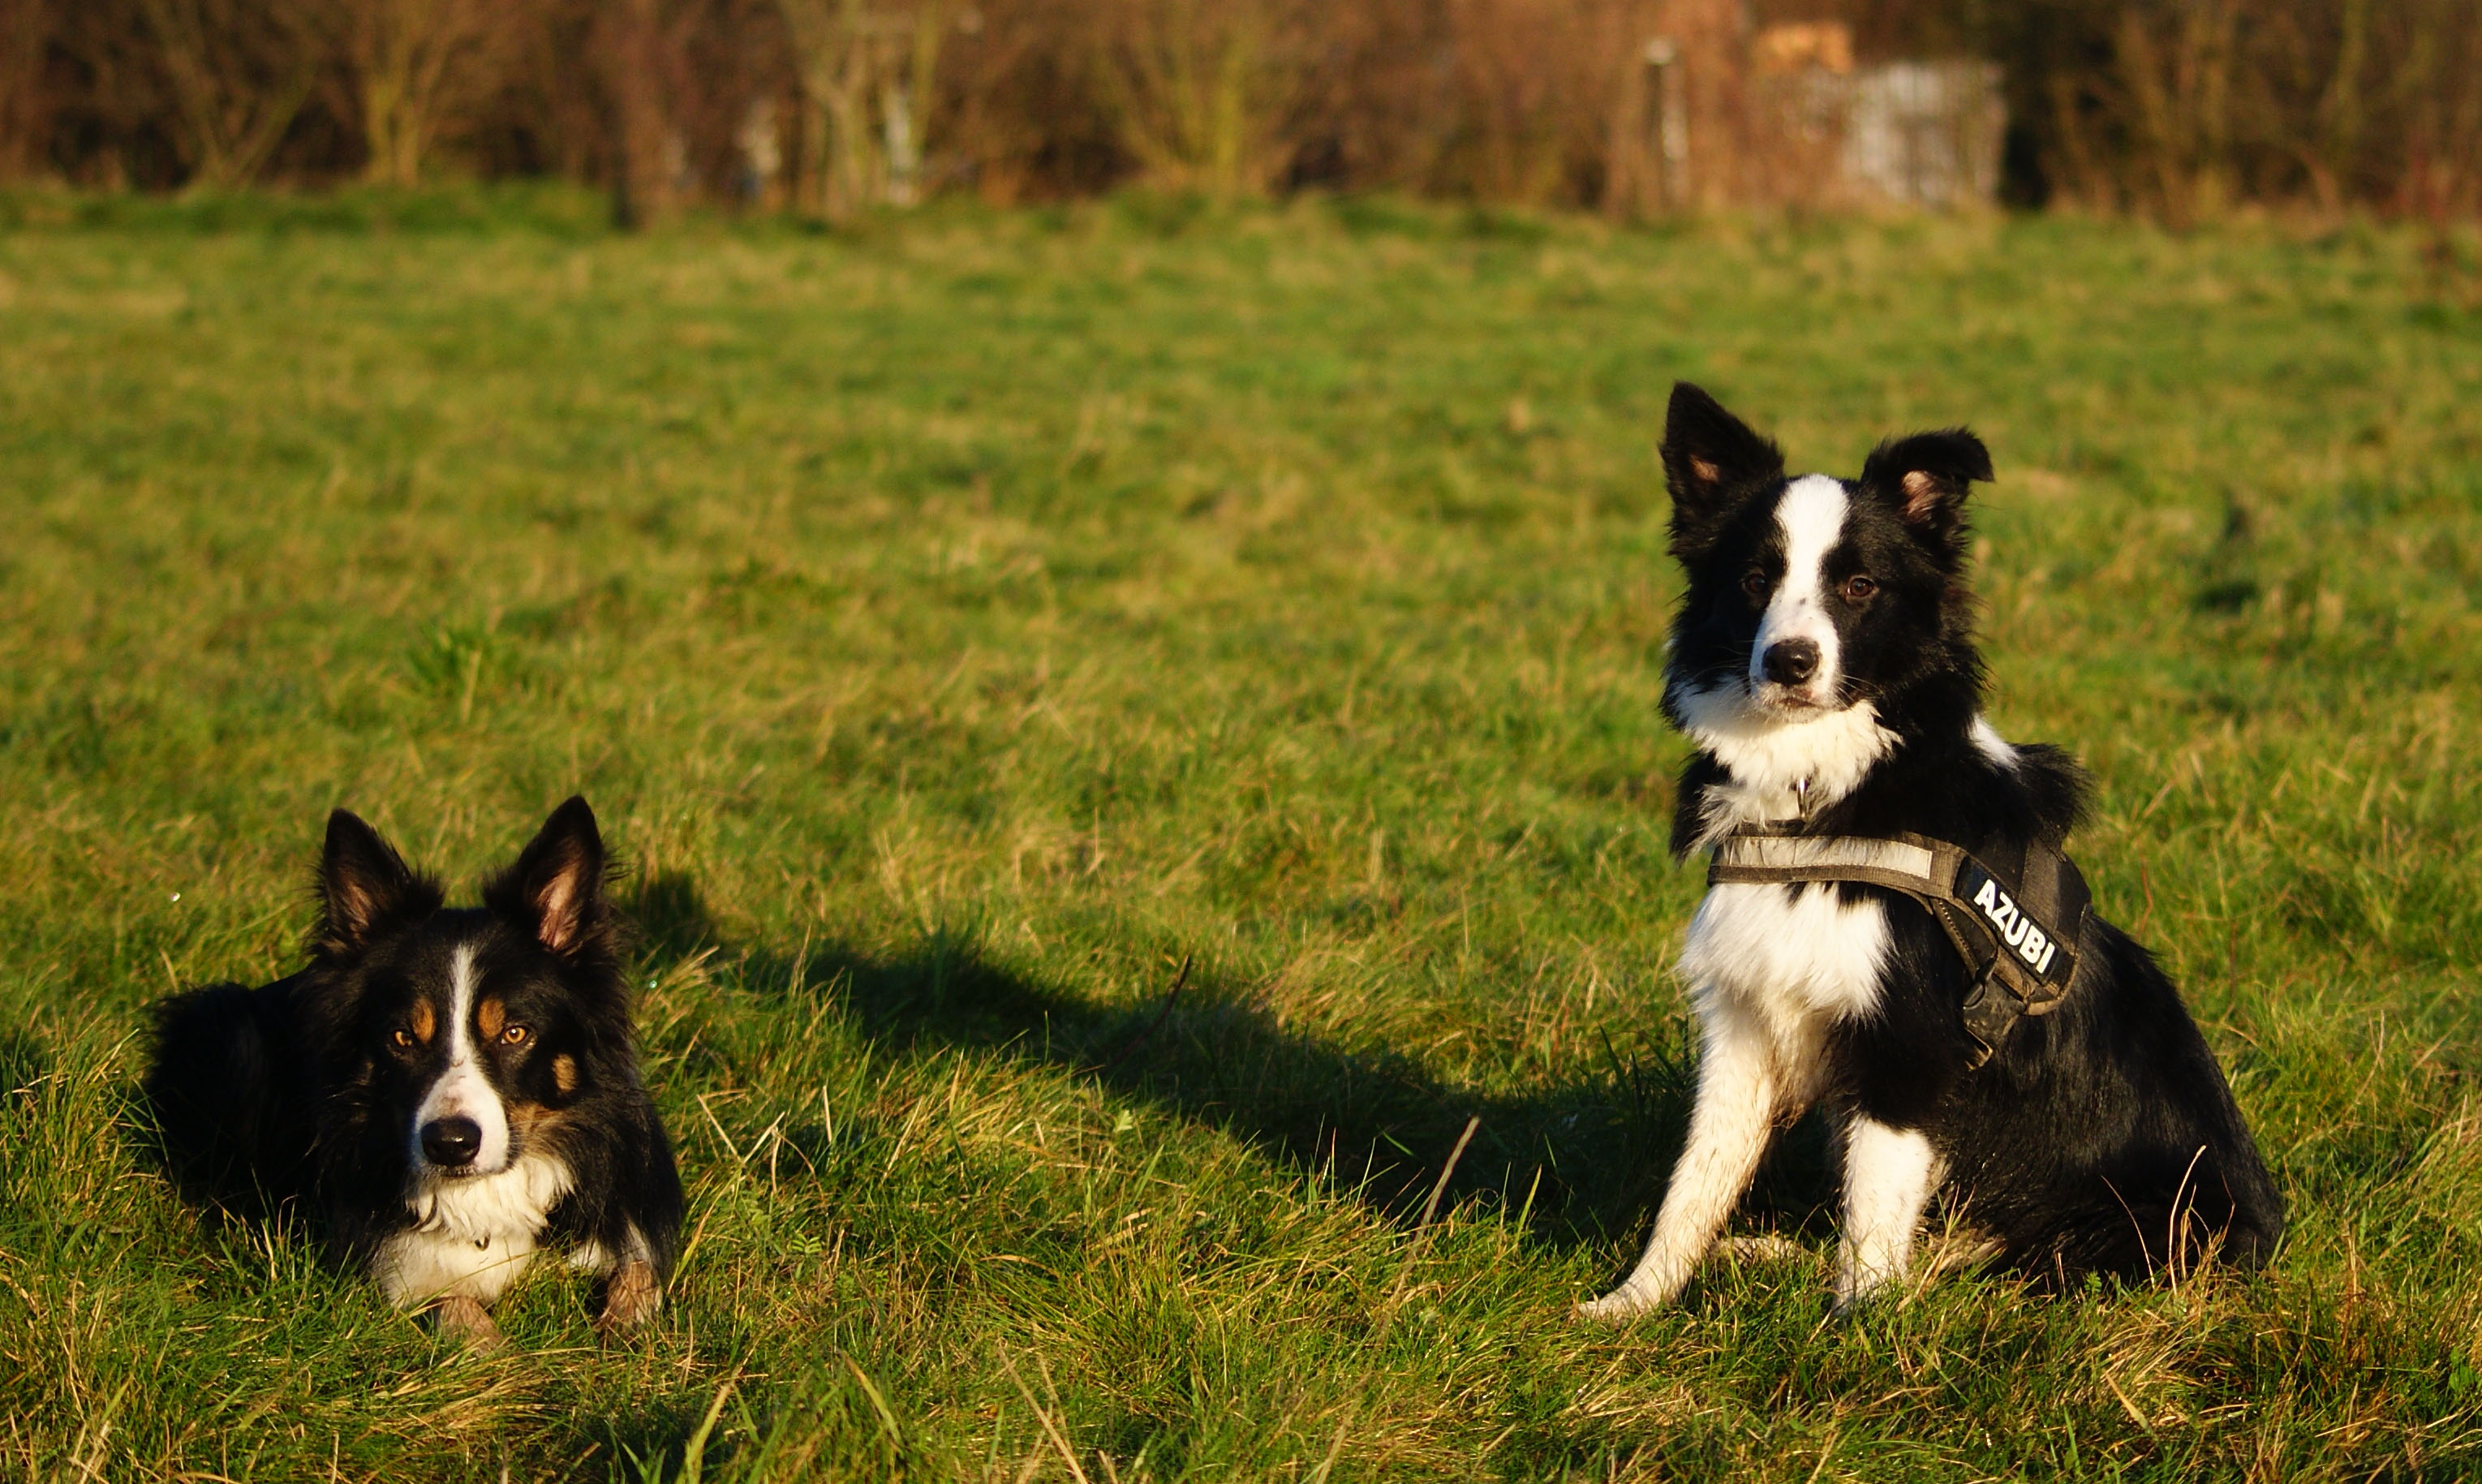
449, 1089
1823, 661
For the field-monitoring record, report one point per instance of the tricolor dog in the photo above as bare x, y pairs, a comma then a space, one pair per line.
449, 1090
1893, 932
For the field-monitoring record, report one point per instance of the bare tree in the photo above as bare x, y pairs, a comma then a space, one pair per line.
2174, 67
1201, 90
634, 49
25, 35
415, 67
237, 72
2440, 44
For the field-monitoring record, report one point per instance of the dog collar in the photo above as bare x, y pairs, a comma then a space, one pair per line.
2017, 929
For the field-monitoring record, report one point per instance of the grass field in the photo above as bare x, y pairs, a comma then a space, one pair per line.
961, 623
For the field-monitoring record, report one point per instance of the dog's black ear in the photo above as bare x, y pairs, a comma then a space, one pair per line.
555, 890
1925, 477
364, 888
1712, 460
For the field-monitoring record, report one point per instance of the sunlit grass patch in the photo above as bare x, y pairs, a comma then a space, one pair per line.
963, 625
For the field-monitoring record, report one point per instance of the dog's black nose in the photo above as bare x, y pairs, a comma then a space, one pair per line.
452, 1142
1790, 661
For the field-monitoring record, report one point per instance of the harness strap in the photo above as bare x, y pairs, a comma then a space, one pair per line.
2016, 933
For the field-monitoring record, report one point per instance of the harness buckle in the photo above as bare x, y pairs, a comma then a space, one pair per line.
1991, 1012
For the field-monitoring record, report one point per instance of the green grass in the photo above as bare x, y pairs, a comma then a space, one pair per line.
961, 622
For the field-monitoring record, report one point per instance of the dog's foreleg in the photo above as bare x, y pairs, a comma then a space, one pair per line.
1738, 1098
467, 1322
631, 1298
1889, 1176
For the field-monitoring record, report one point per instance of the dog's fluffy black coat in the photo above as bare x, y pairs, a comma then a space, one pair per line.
304, 1093
2100, 1137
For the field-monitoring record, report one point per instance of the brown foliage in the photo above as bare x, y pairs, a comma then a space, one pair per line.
2179, 108
2175, 108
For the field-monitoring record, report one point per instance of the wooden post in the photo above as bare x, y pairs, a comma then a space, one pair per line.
625, 54
1668, 117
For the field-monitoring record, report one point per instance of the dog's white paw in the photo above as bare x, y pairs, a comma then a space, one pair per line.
1618, 1307
1847, 1307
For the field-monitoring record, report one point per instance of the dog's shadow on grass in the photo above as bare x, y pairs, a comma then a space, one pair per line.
1579, 1159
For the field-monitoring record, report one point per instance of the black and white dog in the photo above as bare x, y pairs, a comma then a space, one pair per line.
449, 1090
1823, 661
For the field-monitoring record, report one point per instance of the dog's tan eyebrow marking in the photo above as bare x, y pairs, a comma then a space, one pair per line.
421, 1023
490, 1017
563, 1073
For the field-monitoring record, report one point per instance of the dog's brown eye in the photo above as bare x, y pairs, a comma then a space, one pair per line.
1858, 588
514, 1035
1755, 584
400, 1038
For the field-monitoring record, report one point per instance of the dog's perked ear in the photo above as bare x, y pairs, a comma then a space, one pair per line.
364, 888
1712, 461
555, 890
1925, 478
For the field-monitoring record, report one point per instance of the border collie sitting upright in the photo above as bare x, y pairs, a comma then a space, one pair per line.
449, 1089
1893, 932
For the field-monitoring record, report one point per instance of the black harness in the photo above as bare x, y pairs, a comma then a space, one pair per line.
2017, 930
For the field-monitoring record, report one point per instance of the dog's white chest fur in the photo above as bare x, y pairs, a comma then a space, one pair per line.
471, 1238
1790, 957
1778, 767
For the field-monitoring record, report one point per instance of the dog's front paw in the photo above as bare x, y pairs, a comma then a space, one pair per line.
1847, 1308
631, 1298
1618, 1307
1764, 1248
467, 1322
1855, 1294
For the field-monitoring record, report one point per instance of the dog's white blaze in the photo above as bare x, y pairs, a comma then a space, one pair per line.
1810, 514
471, 1237
472, 1234
1787, 762
463, 1090
1889, 1176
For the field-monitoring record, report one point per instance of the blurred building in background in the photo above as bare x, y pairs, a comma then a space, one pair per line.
1925, 134
2178, 109
1922, 133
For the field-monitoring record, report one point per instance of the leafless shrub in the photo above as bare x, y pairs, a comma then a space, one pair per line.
2441, 128
2171, 78
237, 73
414, 68
2181, 109
1200, 92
